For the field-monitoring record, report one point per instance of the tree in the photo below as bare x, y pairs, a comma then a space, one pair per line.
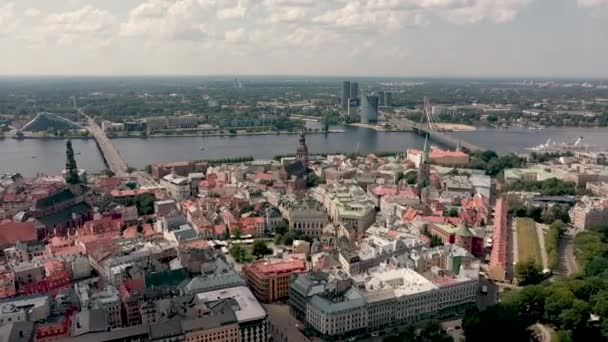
528, 272
260, 248
281, 228
237, 234
246, 209
312, 179
71, 175
436, 241
453, 212
238, 253
479, 326
411, 177
140, 228
148, 169
145, 204
130, 170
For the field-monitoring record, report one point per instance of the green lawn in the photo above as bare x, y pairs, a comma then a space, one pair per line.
527, 241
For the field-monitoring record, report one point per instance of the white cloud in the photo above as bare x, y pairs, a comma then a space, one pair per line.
235, 12
86, 20
592, 4
499, 12
173, 20
236, 36
8, 21
31, 12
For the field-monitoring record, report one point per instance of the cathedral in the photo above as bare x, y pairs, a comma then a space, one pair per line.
294, 173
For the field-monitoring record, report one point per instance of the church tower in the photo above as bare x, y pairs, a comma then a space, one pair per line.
424, 170
302, 152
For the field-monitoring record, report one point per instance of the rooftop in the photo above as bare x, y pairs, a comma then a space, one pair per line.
245, 306
278, 266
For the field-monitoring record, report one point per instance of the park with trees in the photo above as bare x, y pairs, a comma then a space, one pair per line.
575, 307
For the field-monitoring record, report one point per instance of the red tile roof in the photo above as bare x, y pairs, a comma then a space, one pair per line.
11, 232
264, 267
263, 176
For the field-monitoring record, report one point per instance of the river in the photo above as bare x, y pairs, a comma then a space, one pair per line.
48, 156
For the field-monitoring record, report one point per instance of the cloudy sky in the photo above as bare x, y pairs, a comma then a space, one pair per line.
548, 38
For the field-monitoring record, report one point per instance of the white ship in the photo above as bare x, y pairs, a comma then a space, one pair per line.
551, 146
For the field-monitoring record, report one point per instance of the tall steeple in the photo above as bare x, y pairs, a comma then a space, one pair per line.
71, 170
424, 169
302, 152
425, 156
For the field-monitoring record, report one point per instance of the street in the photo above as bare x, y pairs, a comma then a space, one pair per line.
283, 326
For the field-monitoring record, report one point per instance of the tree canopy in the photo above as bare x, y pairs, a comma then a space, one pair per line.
564, 304
260, 248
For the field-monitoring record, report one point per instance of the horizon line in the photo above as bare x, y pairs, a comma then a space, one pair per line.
345, 77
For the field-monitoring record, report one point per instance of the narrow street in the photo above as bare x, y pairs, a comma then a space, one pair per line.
512, 255
567, 260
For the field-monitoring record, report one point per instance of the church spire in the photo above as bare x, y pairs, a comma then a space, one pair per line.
425, 156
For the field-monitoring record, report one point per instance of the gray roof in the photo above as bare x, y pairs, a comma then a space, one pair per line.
165, 329
217, 274
65, 214
89, 321
352, 299
305, 283
17, 332
222, 314
244, 304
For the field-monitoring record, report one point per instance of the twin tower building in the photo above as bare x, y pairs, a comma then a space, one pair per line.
367, 106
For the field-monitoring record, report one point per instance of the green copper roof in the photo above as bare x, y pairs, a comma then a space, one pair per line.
463, 231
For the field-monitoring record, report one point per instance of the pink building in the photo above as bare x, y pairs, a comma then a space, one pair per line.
498, 257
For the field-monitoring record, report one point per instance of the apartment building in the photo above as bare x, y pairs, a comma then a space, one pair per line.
304, 214
347, 204
269, 279
590, 212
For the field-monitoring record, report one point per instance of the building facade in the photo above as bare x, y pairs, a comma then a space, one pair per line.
269, 279
369, 109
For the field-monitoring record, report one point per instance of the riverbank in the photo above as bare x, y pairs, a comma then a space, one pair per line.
237, 134
379, 128
165, 135
456, 127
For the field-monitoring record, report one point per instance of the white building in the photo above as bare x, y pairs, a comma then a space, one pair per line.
30, 309
177, 186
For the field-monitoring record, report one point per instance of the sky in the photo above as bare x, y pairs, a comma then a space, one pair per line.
400, 38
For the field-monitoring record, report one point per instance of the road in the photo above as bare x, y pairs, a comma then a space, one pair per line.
541, 243
567, 261
110, 153
283, 326
512, 256
490, 298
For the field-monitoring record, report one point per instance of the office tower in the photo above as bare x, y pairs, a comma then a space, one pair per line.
388, 99
381, 98
345, 95
354, 90
369, 109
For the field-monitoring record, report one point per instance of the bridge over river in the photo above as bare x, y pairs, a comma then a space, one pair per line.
110, 154
439, 136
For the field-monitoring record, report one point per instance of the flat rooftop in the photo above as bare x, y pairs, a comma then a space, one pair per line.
247, 308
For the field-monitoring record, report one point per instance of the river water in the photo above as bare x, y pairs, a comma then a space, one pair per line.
48, 156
